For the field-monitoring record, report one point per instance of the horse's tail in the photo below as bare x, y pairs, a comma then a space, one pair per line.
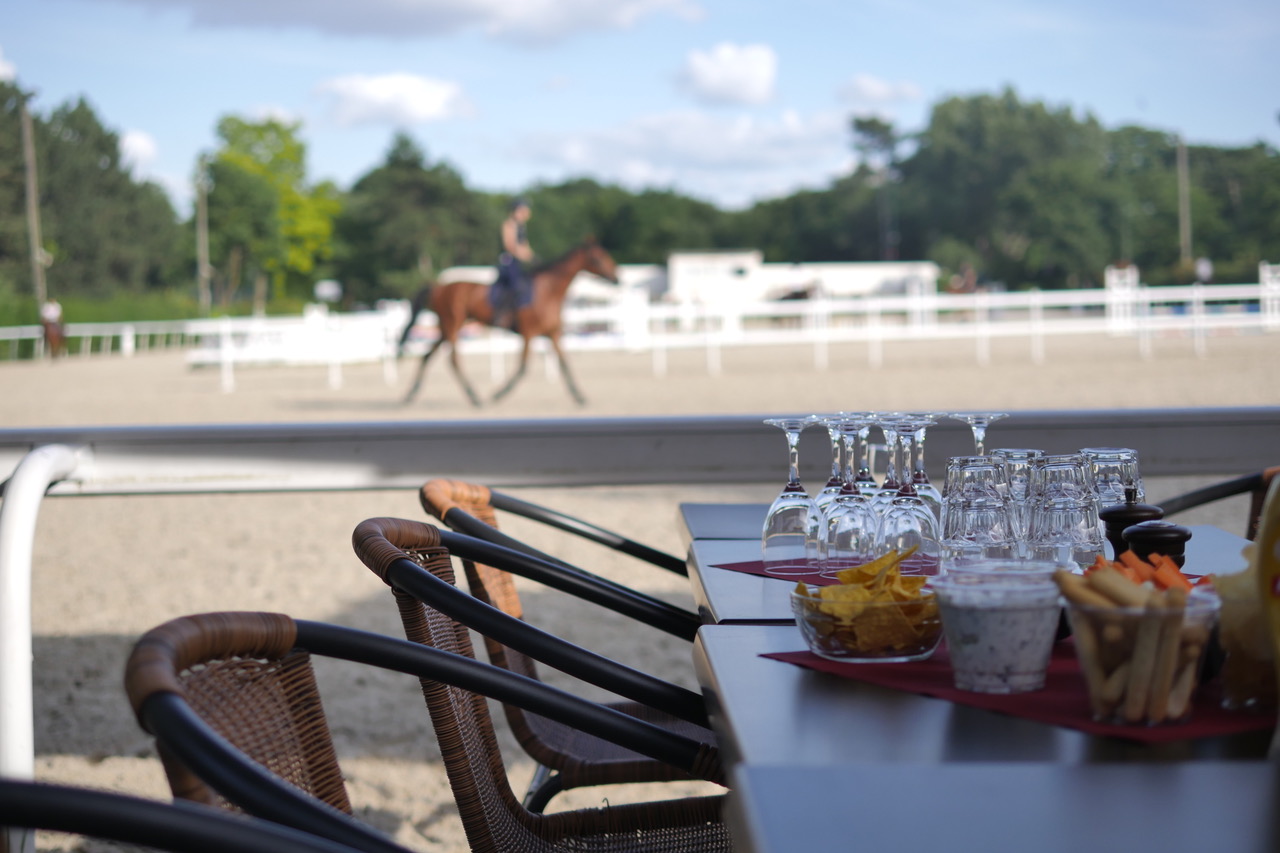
415, 308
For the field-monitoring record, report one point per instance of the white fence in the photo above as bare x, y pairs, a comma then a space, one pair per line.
633, 323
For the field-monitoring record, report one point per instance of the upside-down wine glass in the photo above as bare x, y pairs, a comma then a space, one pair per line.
889, 486
792, 540
978, 422
925, 489
863, 479
835, 483
851, 523
907, 521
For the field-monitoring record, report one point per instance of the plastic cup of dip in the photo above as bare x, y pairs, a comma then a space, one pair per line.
1000, 629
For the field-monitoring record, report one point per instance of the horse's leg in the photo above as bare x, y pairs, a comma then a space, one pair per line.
422, 369
462, 377
564, 369
519, 372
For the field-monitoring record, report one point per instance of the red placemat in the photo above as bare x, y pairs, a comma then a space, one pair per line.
756, 567
1062, 702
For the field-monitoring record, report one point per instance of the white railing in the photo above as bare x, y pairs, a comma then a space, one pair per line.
634, 324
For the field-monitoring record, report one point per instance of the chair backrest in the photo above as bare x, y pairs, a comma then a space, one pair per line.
492, 816
242, 675
177, 826
493, 586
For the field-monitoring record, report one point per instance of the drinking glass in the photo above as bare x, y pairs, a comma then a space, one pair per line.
906, 520
1065, 530
1060, 475
863, 479
890, 485
913, 427
835, 482
851, 523
980, 528
906, 523
792, 540
1017, 468
1111, 470
978, 422
972, 477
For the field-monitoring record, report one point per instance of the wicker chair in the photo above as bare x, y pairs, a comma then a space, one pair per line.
414, 560
232, 701
1255, 484
177, 826
564, 761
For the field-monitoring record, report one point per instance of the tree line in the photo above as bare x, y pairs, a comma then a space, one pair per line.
1022, 193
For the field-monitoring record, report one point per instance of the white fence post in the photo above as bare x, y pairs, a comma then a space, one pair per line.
226, 354
22, 495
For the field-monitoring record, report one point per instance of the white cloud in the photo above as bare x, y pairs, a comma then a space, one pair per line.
397, 99
731, 74
867, 90
8, 71
514, 20
731, 161
138, 150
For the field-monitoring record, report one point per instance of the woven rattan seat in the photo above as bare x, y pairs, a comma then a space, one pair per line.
231, 699
412, 558
565, 758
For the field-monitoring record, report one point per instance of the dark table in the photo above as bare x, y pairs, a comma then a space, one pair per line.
821, 762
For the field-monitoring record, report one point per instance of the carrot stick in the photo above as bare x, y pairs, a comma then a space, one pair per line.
1140, 567
1168, 575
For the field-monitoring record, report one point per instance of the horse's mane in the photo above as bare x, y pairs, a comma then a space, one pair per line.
543, 266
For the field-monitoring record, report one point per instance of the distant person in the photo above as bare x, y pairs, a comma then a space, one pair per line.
514, 288
51, 320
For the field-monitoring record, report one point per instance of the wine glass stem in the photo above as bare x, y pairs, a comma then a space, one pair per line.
904, 441
890, 465
918, 473
980, 438
837, 460
793, 457
864, 470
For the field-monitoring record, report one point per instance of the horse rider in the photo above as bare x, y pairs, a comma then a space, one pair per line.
51, 320
514, 287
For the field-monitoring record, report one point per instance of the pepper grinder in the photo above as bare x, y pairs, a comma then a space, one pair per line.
1158, 537
1117, 518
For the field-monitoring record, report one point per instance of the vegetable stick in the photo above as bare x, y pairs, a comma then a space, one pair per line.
1118, 588
1087, 651
1076, 589
1143, 661
1168, 574
1140, 567
1166, 662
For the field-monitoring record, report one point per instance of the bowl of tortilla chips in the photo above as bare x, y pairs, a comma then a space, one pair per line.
874, 614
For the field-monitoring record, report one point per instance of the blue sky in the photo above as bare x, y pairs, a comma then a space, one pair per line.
727, 100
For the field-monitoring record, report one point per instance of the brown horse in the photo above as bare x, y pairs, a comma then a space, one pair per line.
55, 339
457, 302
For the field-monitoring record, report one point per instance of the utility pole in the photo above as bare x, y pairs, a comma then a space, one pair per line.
38, 257
203, 270
1184, 204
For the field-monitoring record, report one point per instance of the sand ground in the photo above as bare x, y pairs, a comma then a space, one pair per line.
107, 569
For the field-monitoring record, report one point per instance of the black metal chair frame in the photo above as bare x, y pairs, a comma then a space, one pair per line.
518, 558
1255, 484
587, 530
251, 787
176, 826
540, 645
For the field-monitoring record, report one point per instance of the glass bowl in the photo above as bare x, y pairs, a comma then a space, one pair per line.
887, 631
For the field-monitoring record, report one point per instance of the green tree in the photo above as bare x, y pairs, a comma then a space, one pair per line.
272, 150
406, 220
104, 231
